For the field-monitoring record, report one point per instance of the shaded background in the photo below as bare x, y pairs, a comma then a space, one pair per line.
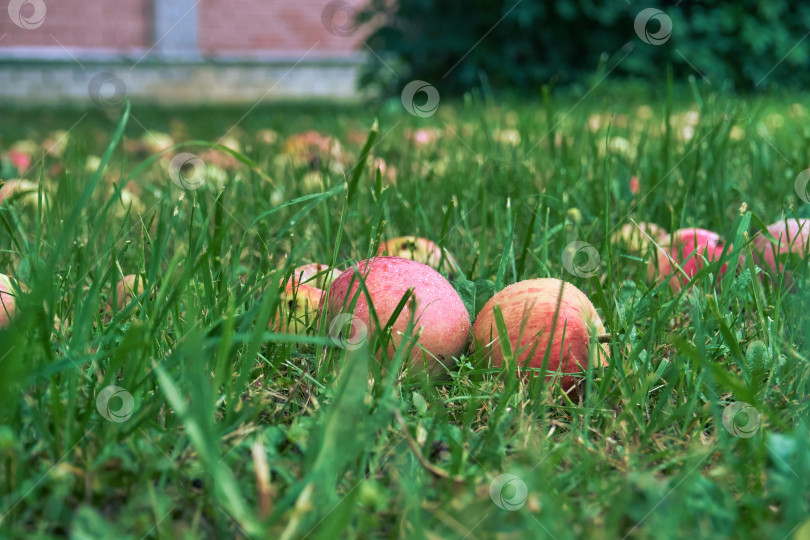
193, 51
177, 50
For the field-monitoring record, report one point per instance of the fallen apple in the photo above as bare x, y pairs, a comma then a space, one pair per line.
529, 309
314, 150
298, 308
637, 238
128, 288
439, 315
417, 249
28, 191
687, 250
316, 275
791, 236
8, 304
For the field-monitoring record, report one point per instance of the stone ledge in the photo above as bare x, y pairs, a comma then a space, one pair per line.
58, 55
31, 80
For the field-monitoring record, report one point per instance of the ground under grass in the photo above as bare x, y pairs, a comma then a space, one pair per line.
234, 430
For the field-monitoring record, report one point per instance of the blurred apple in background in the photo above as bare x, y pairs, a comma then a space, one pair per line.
637, 238
28, 191
126, 290
417, 249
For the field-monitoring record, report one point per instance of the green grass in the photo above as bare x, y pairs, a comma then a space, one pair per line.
237, 431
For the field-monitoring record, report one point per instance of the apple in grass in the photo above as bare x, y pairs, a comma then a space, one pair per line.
27, 190
417, 249
8, 304
298, 309
316, 275
300, 301
130, 286
688, 249
441, 321
529, 309
638, 237
127, 289
790, 236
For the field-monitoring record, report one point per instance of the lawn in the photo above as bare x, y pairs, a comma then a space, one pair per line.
222, 425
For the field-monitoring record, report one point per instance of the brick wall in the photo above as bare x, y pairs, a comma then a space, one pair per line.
103, 24
224, 27
178, 51
280, 25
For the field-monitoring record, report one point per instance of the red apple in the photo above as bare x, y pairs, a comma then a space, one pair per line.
8, 304
528, 309
417, 249
688, 249
792, 236
436, 308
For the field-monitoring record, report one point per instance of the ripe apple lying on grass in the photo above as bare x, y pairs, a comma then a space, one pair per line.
791, 236
128, 288
8, 304
417, 249
316, 275
298, 308
436, 308
528, 309
689, 249
636, 238
300, 301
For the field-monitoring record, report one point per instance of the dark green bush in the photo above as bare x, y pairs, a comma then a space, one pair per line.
459, 44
